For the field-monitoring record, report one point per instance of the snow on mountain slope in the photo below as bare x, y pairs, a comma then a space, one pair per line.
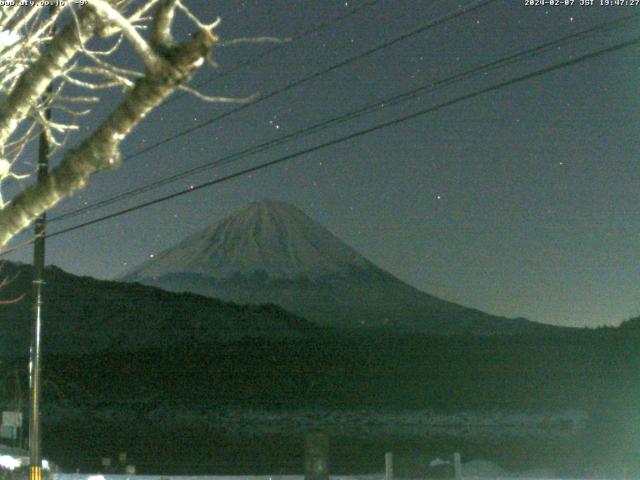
271, 252
269, 237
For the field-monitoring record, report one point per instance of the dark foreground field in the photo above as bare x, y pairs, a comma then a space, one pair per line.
156, 404
207, 451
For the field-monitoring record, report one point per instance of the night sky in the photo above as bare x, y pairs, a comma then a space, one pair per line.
521, 202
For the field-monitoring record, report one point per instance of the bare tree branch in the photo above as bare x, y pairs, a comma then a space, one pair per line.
101, 149
161, 25
35, 80
32, 56
111, 15
243, 40
215, 99
6, 281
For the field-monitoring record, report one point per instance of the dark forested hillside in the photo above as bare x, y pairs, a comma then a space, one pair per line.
123, 359
447, 373
102, 402
84, 315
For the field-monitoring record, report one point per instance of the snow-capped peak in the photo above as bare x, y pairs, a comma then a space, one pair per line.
266, 237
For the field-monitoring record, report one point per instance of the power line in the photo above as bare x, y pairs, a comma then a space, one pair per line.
379, 104
239, 66
250, 61
589, 56
463, 10
445, 18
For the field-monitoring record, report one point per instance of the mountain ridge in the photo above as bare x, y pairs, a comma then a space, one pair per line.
85, 315
272, 252
268, 236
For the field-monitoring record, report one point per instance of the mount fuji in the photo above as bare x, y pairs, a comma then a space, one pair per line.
272, 252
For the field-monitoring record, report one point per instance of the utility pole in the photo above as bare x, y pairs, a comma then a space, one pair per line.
35, 435
35, 454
